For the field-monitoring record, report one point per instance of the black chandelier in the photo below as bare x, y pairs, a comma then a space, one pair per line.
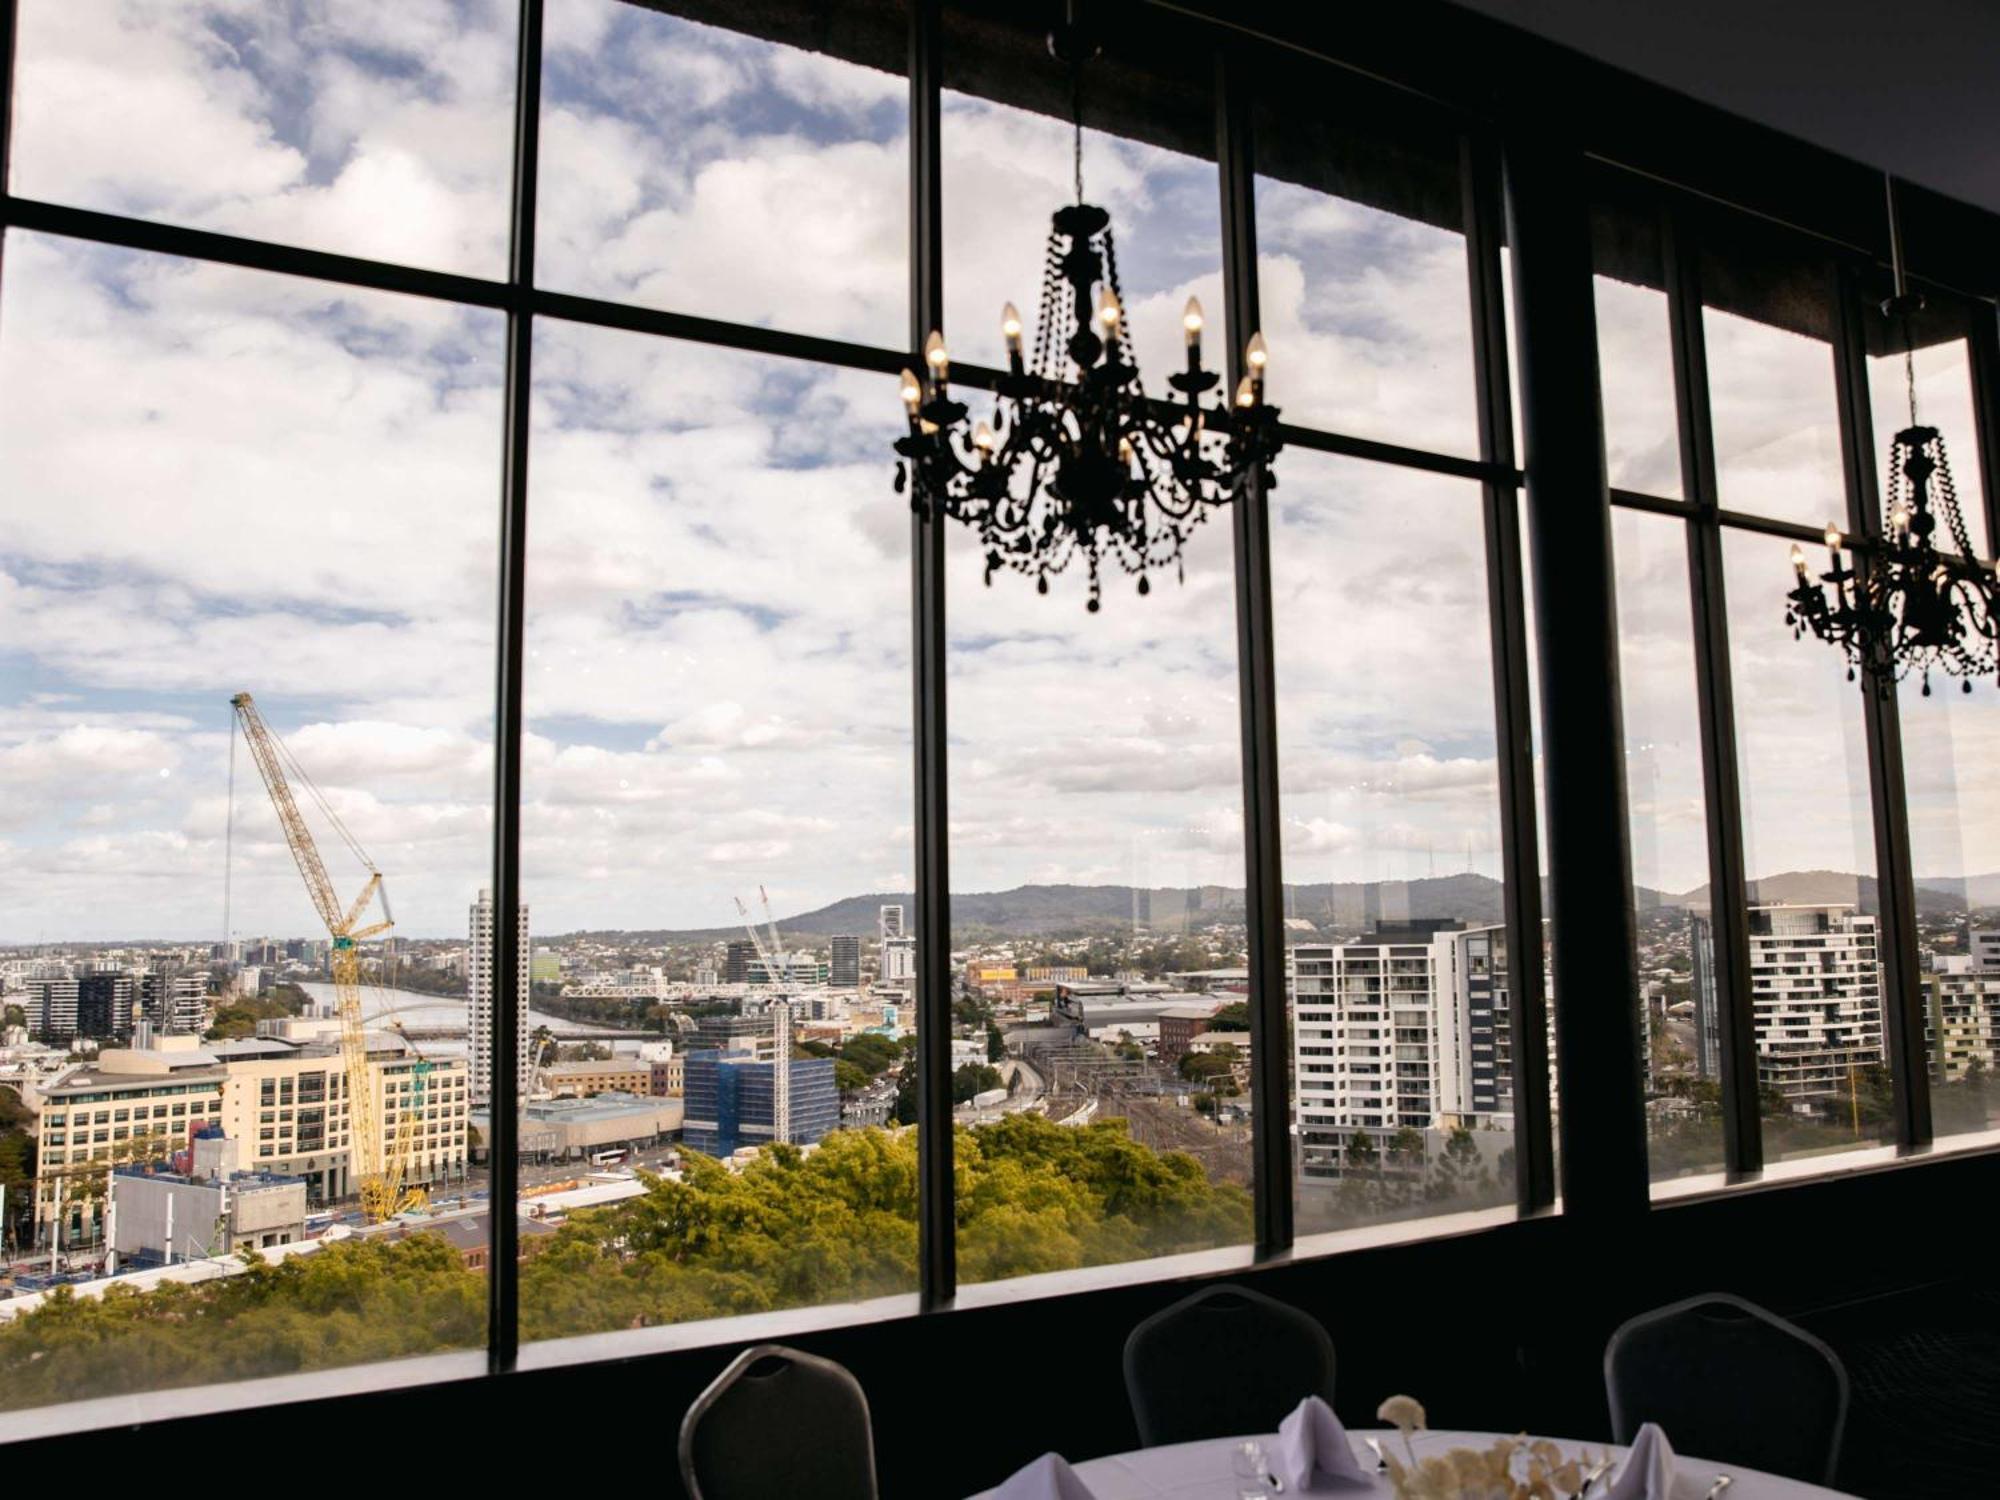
1907, 608
1076, 460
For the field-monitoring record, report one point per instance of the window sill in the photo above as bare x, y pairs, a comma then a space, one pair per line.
141, 1407
1703, 1185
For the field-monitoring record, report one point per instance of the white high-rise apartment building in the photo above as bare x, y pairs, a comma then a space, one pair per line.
897, 962
481, 996
1816, 993
1404, 1030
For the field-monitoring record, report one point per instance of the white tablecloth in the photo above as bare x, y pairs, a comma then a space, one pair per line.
1202, 1471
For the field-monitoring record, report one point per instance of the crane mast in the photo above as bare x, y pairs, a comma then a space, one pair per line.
379, 1160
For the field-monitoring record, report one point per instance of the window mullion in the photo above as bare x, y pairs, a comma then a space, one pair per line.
1728, 879
936, 1225
1527, 1011
1895, 889
1250, 519
503, 1143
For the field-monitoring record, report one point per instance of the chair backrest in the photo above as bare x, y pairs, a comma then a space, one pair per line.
1225, 1361
1730, 1382
779, 1422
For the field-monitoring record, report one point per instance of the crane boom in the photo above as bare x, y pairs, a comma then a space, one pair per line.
379, 1160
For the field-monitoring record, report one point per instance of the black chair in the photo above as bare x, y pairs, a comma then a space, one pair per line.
779, 1423
1730, 1382
1225, 1361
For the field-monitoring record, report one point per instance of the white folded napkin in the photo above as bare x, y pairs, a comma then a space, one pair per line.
1047, 1478
1649, 1468
1313, 1452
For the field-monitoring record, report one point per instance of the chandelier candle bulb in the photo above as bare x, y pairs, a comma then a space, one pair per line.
1256, 355
1799, 561
936, 357
982, 438
913, 392
1246, 391
1191, 327
1833, 540
1108, 310
1010, 330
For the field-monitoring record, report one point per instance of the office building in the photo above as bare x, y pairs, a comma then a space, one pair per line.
483, 995
738, 960
844, 965
731, 1101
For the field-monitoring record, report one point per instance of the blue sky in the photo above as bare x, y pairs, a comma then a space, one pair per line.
222, 481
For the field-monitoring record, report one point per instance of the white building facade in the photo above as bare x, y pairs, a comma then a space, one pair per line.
482, 996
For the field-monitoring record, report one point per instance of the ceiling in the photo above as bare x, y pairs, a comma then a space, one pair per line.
1908, 86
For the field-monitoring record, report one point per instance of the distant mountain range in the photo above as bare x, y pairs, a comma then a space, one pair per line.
1051, 910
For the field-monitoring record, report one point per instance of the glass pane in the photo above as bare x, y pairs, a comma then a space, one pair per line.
752, 178
1949, 744
1635, 354
1361, 270
1403, 1088
1096, 785
1943, 374
1664, 786
376, 131
1772, 398
315, 474
718, 702
1009, 162
1815, 971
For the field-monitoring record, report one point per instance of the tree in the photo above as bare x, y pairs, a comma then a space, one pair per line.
973, 1078
847, 1077
14, 1015
996, 1043
1234, 1016
871, 1053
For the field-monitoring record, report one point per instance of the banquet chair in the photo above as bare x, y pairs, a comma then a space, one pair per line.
1730, 1382
1225, 1361
779, 1422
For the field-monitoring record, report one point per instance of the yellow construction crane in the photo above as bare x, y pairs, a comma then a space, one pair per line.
379, 1160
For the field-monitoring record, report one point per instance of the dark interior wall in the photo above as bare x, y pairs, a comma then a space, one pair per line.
1502, 1330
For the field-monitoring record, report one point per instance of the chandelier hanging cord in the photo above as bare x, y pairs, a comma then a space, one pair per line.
1901, 304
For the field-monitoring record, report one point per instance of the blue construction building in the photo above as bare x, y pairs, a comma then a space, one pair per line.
729, 1105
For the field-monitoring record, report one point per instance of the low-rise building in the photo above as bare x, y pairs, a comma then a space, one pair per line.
581, 1080
213, 1208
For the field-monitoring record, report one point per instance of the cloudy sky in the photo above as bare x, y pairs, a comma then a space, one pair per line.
219, 481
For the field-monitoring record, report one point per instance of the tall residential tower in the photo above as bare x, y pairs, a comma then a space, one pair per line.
481, 993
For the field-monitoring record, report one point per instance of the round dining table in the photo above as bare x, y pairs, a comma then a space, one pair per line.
1205, 1470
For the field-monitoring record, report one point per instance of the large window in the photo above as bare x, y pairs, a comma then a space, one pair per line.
717, 712
527, 462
